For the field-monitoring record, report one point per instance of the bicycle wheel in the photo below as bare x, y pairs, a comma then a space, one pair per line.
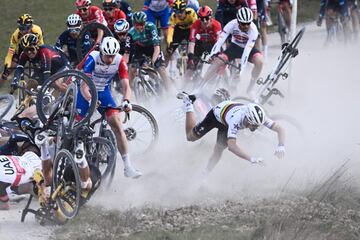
68, 105
50, 98
89, 28
102, 153
290, 51
141, 130
6, 102
66, 184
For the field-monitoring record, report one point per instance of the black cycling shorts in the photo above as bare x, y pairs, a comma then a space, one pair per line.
235, 51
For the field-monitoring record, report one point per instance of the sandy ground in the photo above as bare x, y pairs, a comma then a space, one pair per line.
323, 97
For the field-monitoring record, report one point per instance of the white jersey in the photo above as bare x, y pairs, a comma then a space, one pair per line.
102, 74
232, 114
19, 169
245, 40
158, 5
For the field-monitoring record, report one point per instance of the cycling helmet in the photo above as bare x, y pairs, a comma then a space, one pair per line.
244, 15
255, 114
25, 19
74, 20
121, 26
109, 3
204, 11
179, 5
109, 46
82, 3
29, 40
139, 17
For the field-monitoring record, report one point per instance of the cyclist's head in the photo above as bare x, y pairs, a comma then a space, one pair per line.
38, 176
83, 7
179, 6
139, 20
204, 14
73, 21
25, 22
82, 3
109, 47
244, 17
29, 40
255, 115
121, 27
109, 5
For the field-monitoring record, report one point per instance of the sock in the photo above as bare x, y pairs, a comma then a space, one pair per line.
265, 49
126, 159
188, 106
44, 150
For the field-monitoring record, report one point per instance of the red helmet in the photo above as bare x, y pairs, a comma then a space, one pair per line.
204, 11
82, 3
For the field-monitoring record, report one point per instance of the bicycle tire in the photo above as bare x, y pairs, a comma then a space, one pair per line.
107, 32
292, 45
97, 153
9, 100
71, 178
129, 127
70, 95
72, 76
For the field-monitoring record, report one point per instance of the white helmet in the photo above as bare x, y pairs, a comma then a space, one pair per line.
109, 46
255, 114
121, 26
244, 15
73, 20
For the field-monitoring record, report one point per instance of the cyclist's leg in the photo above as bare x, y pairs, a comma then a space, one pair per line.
177, 38
164, 17
4, 198
286, 7
354, 13
150, 16
258, 60
196, 131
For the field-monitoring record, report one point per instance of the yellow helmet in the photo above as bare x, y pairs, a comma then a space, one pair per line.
25, 19
38, 176
179, 5
29, 40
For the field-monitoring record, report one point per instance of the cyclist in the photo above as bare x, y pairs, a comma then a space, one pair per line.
203, 35
284, 7
355, 16
226, 9
25, 25
46, 59
158, 10
194, 4
126, 8
330, 9
180, 22
143, 39
89, 14
263, 21
229, 117
244, 34
67, 40
102, 66
112, 13
121, 29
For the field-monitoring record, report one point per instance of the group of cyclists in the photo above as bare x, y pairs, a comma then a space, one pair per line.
231, 33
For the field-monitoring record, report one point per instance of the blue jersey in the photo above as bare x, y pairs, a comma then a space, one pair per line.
66, 39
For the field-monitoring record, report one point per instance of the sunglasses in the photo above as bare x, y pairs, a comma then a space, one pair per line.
205, 19
178, 11
84, 9
74, 30
108, 9
24, 27
136, 24
244, 24
30, 50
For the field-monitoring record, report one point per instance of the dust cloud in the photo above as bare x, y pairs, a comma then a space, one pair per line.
321, 94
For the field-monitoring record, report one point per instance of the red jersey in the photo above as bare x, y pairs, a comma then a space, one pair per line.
111, 19
95, 15
207, 35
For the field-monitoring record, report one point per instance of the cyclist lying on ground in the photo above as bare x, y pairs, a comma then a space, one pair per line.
229, 117
244, 34
102, 66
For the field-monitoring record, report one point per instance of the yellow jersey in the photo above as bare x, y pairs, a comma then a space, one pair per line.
190, 18
15, 39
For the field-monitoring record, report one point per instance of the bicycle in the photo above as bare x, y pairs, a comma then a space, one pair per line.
146, 83
267, 87
141, 129
6, 102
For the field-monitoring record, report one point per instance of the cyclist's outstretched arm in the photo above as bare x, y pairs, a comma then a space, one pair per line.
234, 148
249, 45
280, 133
123, 75
221, 40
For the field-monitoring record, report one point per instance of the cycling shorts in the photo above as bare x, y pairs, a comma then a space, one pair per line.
147, 51
208, 123
235, 51
105, 97
163, 16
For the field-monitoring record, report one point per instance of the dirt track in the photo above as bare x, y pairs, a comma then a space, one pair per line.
324, 96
